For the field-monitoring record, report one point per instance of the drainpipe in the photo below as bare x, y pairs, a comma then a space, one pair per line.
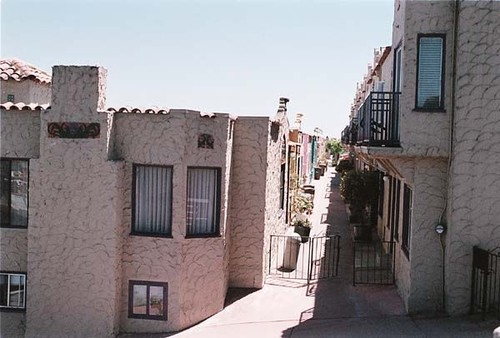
449, 199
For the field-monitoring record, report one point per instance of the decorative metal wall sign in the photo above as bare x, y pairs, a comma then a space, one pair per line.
205, 141
74, 130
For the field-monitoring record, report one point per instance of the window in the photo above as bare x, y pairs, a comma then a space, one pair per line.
14, 193
10, 98
430, 72
12, 290
407, 211
397, 70
203, 201
282, 186
152, 212
396, 207
147, 300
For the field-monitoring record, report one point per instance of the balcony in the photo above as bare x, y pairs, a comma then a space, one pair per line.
376, 123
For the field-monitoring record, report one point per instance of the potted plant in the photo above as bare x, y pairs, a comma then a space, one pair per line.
303, 209
360, 191
302, 226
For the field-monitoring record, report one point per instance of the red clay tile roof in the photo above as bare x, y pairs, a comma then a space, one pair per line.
18, 70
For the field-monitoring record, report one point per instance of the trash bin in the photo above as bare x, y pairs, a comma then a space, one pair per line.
291, 252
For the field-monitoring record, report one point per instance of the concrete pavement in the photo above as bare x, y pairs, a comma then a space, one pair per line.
329, 308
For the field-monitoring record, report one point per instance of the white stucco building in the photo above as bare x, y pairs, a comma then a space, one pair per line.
426, 116
119, 219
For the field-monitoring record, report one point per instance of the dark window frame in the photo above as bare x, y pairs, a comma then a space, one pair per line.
398, 72
17, 309
148, 284
441, 107
7, 224
397, 207
134, 232
11, 98
216, 232
407, 213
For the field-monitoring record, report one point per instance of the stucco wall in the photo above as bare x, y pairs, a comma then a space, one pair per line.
418, 276
20, 132
422, 133
275, 216
248, 187
26, 91
193, 267
73, 237
475, 185
429, 195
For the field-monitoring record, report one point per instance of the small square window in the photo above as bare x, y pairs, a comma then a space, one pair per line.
147, 300
12, 291
10, 98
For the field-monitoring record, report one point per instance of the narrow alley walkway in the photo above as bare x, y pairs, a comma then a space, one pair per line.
332, 307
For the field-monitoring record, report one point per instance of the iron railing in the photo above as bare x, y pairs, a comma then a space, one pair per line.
311, 258
376, 122
373, 262
485, 293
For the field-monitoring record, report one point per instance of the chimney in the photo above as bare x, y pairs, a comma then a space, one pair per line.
282, 106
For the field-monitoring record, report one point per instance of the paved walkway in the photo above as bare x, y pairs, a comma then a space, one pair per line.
331, 308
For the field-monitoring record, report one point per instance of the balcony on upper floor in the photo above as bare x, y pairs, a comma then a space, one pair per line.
376, 122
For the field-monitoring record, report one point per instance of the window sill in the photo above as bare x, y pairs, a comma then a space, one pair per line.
148, 234
6, 226
203, 236
12, 309
148, 317
434, 110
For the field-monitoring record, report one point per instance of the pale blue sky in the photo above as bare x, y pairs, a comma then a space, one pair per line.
214, 55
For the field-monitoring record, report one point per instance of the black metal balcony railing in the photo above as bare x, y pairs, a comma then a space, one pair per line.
376, 122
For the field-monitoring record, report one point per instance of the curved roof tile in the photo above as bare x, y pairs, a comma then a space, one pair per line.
24, 106
18, 70
131, 110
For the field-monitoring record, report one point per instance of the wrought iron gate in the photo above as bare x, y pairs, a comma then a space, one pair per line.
485, 295
307, 258
373, 262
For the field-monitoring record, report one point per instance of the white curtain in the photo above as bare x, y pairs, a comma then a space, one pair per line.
153, 199
202, 201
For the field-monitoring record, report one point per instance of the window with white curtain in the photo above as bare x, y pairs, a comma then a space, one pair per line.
203, 201
430, 70
152, 212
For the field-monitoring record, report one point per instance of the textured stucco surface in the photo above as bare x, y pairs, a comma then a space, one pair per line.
419, 277
475, 184
275, 216
20, 132
429, 194
73, 237
26, 91
248, 187
14, 243
194, 268
422, 133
